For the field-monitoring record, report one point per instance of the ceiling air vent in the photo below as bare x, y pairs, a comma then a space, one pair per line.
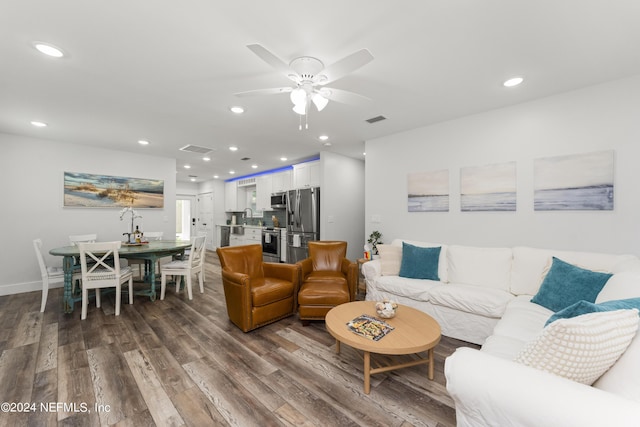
376, 119
196, 149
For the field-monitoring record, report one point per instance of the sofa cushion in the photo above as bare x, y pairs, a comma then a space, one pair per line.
419, 263
566, 284
489, 302
522, 320
487, 267
390, 259
584, 307
581, 348
623, 378
620, 286
529, 265
411, 288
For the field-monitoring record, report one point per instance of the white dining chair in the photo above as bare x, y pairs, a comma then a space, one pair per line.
74, 239
186, 253
186, 268
100, 264
49, 275
140, 263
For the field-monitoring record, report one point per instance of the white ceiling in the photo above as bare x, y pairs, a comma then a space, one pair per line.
167, 71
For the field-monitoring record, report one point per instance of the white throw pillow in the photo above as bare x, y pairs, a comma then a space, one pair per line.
390, 259
581, 348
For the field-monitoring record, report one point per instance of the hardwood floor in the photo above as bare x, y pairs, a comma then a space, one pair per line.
180, 362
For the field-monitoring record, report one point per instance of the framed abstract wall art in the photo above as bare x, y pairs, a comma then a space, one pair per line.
574, 182
428, 191
105, 191
488, 188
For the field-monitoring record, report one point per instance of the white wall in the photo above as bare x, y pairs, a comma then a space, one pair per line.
32, 171
603, 117
342, 201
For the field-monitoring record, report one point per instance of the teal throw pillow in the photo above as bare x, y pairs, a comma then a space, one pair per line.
566, 284
419, 263
585, 307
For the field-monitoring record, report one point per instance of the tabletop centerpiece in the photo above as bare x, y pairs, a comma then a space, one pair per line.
386, 309
131, 237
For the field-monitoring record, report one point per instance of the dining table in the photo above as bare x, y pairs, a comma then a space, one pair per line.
150, 251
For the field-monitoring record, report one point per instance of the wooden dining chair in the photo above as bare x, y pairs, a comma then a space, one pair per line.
193, 264
50, 275
100, 265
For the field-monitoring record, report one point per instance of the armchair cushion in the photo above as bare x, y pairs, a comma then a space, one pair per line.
328, 279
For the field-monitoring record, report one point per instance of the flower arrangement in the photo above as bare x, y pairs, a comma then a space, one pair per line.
386, 308
133, 213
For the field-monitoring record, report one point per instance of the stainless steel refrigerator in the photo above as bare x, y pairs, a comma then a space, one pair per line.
303, 222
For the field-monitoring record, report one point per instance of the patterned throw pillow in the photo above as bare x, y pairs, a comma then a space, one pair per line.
390, 259
582, 348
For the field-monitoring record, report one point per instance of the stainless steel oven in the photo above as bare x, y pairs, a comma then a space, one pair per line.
271, 245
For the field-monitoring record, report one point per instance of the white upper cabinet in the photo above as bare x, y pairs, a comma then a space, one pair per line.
235, 198
263, 192
281, 181
306, 174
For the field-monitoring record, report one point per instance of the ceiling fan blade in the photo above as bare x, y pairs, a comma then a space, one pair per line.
346, 65
343, 96
273, 60
271, 91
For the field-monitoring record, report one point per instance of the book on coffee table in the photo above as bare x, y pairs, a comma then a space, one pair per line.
369, 327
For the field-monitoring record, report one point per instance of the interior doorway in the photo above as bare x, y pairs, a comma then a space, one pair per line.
185, 217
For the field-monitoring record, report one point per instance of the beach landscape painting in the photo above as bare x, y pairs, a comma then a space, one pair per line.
574, 182
428, 191
104, 191
488, 188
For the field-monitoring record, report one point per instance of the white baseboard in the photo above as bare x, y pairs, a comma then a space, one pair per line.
20, 288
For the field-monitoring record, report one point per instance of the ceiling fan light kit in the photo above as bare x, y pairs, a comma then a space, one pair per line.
307, 73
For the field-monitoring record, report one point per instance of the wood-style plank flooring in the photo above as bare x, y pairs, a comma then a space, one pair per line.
179, 362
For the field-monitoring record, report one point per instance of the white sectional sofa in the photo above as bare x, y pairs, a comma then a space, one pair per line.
483, 296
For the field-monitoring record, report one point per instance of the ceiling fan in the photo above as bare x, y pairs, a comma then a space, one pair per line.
310, 77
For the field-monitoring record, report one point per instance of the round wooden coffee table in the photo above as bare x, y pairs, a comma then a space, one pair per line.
414, 332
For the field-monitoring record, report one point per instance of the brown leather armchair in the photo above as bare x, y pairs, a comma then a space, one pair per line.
328, 279
257, 293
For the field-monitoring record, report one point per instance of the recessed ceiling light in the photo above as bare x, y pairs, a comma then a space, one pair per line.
193, 180
514, 81
206, 158
233, 148
236, 109
187, 166
48, 49
323, 137
143, 142
364, 154
326, 144
215, 177
284, 159
232, 172
254, 166
38, 124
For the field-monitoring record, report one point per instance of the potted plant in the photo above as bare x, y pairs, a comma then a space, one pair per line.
375, 238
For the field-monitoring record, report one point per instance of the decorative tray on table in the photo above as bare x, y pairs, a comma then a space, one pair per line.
134, 244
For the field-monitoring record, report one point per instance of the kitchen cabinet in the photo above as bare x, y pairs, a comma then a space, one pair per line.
252, 235
263, 192
235, 198
281, 181
306, 174
236, 240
